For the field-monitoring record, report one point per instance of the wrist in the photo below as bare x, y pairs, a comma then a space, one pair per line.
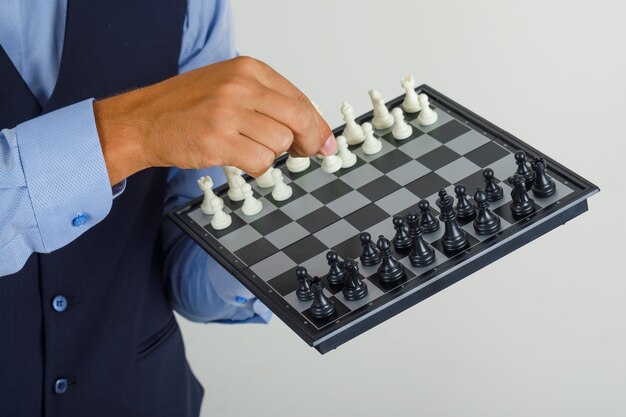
120, 138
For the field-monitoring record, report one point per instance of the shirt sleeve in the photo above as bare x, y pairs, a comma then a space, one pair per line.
54, 184
199, 288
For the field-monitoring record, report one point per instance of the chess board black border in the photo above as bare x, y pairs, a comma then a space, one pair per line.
446, 274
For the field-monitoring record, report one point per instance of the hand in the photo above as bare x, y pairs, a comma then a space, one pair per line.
238, 112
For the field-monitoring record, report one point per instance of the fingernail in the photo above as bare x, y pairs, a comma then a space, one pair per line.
330, 146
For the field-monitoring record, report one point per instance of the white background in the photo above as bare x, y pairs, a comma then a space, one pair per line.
542, 331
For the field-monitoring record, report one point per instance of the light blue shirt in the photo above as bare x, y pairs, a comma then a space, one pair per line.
50, 195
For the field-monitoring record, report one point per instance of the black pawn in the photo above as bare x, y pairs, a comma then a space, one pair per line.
422, 253
522, 205
486, 222
523, 169
493, 190
336, 273
370, 255
428, 222
322, 306
401, 240
465, 210
543, 186
304, 291
454, 238
390, 270
354, 288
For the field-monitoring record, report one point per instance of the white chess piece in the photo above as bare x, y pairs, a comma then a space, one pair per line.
382, 118
411, 103
281, 191
251, 205
205, 184
427, 115
233, 177
371, 145
401, 129
331, 163
298, 164
352, 132
220, 220
265, 180
348, 159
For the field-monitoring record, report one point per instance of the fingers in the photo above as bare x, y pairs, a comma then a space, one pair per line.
268, 132
301, 118
309, 127
246, 154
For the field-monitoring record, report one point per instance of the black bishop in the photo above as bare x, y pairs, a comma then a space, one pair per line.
454, 238
322, 306
422, 253
543, 186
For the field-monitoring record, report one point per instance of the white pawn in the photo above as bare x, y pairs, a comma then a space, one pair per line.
401, 129
331, 163
411, 103
427, 115
382, 119
220, 220
206, 185
265, 180
353, 132
296, 164
371, 145
348, 159
281, 191
251, 205
233, 177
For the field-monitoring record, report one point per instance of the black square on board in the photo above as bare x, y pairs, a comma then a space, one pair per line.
256, 251
366, 217
487, 154
451, 130
504, 211
237, 222
380, 187
427, 185
270, 222
474, 181
331, 191
340, 310
318, 219
349, 248
297, 192
391, 161
285, 283
437, 245
438, 157
344, 171
304, 249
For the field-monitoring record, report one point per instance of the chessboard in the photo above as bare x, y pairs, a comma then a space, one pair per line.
328, 212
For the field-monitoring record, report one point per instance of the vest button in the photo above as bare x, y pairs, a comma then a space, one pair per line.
60, 385
59, 303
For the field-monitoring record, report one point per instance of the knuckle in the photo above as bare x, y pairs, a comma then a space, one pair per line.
261, 163
283, 139
303, 120
247, 63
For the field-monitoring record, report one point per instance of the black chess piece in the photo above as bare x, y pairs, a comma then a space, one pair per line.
523, 169
486, 222
544, 186
390, 270
493, 190
465, 210
454, 238
428, 222
336, 273
422, 253
304, 291
401, 241
370, 255
322, 306
522, 205
354, 288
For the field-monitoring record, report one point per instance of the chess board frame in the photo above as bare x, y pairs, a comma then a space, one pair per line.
436, 279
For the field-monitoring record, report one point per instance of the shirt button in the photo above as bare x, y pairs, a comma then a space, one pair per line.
59, 303
80, 219
60, 385
240, 299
